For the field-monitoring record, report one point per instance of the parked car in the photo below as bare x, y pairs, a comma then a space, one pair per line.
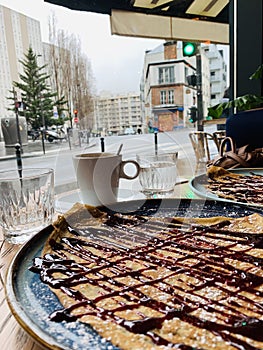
129, 131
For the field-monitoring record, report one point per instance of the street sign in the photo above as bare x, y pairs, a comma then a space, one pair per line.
55, 112
76, 120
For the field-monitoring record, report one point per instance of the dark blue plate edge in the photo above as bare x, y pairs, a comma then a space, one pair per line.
13, 303
202, 180
182, 205
136, 206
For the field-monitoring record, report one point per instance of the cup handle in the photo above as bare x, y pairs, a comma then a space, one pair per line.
122, 172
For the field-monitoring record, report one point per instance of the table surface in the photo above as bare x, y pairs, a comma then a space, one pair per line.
12, 336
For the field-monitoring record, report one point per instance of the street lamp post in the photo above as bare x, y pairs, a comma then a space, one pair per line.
70, 108
43, 124
17, 121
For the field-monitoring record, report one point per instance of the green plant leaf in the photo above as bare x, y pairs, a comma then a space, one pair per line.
258, 73
216, 111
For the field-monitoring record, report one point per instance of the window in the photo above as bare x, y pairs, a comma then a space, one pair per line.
163, 97
166, 75
171, 96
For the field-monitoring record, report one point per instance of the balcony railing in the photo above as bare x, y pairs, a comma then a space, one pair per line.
170, 81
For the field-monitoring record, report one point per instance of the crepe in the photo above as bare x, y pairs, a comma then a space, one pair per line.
236, 187
157, 282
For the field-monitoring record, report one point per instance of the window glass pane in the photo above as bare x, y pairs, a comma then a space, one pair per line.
171, 96
161, 72
163, 97
171, 74
166, 75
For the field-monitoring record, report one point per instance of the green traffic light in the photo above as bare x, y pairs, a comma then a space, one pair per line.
189, 49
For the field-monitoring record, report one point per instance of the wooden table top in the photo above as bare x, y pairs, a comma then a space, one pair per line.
12, 335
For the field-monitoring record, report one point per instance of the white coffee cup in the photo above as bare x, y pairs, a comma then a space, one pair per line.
98, 176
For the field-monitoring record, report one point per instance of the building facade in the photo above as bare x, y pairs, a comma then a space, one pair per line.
17, 33
166, 93
117, 114
218, 73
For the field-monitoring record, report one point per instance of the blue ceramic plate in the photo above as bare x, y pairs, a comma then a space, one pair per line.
32, 302
199, 185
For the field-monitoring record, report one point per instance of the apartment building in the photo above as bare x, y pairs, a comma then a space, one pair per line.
17, 33
218, 73
165, 91
117, 114
166, 94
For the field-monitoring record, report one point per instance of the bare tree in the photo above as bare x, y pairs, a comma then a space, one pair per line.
71, 73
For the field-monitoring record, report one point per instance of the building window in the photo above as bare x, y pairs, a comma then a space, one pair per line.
166, 75
171, 96
163, 97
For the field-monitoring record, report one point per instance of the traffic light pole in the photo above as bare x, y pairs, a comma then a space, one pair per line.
200, 111
191, 49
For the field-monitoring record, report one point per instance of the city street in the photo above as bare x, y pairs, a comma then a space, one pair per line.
59, 155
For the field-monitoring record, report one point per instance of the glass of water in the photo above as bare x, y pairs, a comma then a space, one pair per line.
26, 202
158, 172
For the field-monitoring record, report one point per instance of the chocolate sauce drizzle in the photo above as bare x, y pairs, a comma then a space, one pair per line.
248, 189
198, 258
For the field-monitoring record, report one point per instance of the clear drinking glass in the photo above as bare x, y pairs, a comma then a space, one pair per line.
26, 202
158, 172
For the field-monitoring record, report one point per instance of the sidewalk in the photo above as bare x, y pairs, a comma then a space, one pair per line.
66, 182
34, 149
186, 161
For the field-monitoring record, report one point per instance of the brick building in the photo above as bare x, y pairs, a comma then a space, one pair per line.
165, 92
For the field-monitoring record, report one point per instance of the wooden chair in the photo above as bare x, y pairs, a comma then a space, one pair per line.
219, 137
204, 145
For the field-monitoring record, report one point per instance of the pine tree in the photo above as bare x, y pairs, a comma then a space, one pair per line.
36, 94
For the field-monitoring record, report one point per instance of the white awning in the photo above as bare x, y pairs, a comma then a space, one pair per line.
135, 24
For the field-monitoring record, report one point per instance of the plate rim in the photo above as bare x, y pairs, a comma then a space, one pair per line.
17, 310
211, 196
10, 293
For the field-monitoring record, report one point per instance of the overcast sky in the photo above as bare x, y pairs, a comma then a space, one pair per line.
116, 61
